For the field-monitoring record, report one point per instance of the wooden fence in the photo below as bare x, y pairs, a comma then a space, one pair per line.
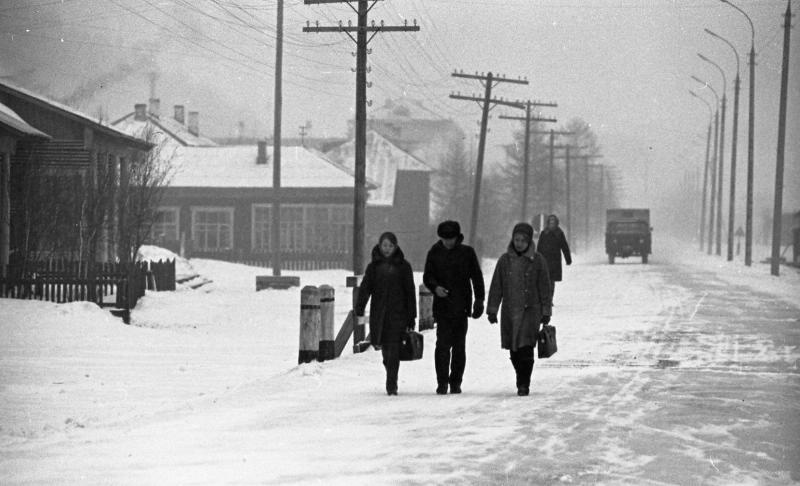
67, 281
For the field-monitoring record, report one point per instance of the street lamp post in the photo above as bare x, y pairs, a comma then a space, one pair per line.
721, 163
712, 199
748, 235
705, 169
734, 143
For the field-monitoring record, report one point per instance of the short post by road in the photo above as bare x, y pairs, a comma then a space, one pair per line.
359, 323
425, 308
309, 324
327, 301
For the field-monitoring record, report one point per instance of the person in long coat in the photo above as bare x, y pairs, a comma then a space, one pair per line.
552, 243
520, 289
451, 273
389, 284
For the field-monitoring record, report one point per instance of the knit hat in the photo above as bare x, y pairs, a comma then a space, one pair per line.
388, 235
448, 229
525, 229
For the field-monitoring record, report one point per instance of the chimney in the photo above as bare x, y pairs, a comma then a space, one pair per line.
194, 123
179, 114
140, 112
261, 159
155, 107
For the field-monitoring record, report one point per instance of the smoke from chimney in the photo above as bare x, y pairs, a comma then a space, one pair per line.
155, 107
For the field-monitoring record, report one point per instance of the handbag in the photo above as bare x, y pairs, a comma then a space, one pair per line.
547, 341
411, 344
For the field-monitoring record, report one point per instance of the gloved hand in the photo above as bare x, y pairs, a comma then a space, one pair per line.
545, 320
477, 309
492, 318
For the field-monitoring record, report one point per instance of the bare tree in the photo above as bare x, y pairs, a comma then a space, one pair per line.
147, 179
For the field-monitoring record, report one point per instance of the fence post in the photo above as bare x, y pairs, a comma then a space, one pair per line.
425, 308
327, 300
309, 324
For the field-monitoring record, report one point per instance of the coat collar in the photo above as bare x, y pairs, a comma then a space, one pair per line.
530, 253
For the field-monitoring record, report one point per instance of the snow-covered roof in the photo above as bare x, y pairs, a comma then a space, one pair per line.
235, 166
171, 127
384, 159
10, 119
69, 112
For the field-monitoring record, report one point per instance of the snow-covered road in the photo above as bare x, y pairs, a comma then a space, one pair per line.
669, 373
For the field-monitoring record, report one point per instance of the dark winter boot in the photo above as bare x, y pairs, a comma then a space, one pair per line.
391, 361
442, 363
524, 377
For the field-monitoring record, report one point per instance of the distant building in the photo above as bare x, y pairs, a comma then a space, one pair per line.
400, 202
219, 205
415, 128
179, 129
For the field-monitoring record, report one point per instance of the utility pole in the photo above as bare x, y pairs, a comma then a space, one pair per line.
528, 118
303, 132
361, 40
551, 172
712, 195
486, 103
568, 196
275, 233
778, 209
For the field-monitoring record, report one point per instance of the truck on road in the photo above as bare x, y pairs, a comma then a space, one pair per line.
628, 233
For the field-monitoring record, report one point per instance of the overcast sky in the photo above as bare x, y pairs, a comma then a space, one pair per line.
622, 66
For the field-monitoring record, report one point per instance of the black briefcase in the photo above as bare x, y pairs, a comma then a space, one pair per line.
411, 344
546, 341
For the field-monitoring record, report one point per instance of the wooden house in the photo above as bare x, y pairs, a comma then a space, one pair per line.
62, 152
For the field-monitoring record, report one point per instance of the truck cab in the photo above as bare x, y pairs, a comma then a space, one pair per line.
628, 233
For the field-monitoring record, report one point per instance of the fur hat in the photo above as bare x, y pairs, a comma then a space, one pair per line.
448, 229
525, 229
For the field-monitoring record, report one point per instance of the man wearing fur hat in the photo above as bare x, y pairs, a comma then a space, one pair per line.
450, 268
521, 283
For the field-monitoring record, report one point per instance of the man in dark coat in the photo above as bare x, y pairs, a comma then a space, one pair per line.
521, 289
450, 267
389, 283
552, 243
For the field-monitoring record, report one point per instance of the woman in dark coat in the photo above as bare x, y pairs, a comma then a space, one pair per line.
552, 243
522, 287
389, 283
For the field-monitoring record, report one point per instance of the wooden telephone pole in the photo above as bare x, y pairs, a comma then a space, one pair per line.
777, 212
486, 103
528, 118
361, 40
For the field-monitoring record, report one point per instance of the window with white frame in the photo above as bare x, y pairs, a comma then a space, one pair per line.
166, 225
212, 228
305, 227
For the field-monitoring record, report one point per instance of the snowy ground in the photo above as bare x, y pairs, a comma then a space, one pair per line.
684, 371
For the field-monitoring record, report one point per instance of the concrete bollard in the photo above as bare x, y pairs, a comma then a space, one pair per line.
425, 308
326, 307
309, 324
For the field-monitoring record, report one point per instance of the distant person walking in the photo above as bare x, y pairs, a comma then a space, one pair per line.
450, 268
520, 288
389, 283
552, 243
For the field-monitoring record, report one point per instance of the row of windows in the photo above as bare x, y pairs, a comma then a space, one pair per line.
304, 227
